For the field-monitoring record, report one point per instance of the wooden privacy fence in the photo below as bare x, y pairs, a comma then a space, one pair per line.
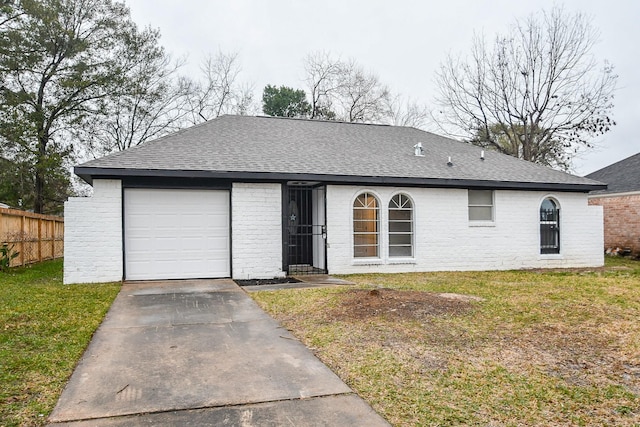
37, 237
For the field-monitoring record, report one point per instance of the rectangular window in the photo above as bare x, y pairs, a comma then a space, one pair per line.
480, 205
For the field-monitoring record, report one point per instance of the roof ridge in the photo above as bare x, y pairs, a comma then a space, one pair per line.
306, 119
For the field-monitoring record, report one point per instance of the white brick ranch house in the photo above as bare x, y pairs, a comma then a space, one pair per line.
261, 197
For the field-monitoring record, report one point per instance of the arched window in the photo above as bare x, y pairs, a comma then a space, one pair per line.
549, 227
366, 226
400, 226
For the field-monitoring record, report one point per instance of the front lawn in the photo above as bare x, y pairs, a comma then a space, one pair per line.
44, 328
480, 348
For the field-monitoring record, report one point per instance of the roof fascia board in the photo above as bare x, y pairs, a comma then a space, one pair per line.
88, 174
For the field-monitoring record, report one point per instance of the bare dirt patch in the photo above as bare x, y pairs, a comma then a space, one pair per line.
581, 356
397, 304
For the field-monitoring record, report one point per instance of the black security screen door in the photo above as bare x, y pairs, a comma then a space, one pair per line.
304, 229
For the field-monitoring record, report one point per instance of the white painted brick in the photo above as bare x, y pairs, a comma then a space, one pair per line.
445, 240
256, 230
93, 235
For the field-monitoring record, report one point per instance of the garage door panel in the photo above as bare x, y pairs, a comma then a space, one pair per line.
173, 234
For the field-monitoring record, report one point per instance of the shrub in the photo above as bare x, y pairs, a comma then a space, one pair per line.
7, 253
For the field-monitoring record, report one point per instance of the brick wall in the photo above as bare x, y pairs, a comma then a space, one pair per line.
93, 235
621, 221
446, 240
444, 237
256, 235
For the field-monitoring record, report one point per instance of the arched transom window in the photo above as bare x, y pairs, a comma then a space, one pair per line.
400, 226
549, 227
366, 226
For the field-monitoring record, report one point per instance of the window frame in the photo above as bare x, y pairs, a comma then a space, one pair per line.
491, 206
401, 206
544, 247
365, 206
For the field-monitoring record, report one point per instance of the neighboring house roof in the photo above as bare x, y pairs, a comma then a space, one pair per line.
277, 149
621, 177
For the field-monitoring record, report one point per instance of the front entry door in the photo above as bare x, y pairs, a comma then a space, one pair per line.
304, 228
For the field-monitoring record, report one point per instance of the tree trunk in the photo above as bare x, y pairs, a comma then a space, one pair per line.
38, 204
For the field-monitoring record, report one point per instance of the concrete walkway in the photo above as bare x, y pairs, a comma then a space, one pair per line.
201, 353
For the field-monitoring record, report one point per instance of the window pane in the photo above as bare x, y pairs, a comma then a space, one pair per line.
400, 251
547, 204
365, 239
480, 213
365, 251
365, 226
549, 215
400, 201
480, 197
400, 239
365, 200
399, 215
405, 226
365, 214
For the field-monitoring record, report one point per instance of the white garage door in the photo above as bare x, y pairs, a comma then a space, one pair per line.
176, 234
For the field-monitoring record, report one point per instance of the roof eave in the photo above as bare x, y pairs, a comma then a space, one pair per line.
89, 173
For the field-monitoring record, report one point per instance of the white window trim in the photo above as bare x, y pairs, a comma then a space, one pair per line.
374, 260
560, 254
401, 259
367, 261
483, 222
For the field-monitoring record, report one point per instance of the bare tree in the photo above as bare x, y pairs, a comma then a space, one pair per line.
361, 95
219, 93
158, 100
154, 104
324, 77
537, 93
406, 112
343, 90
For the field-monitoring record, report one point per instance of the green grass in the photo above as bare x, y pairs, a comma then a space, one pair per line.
543, 348
44, 328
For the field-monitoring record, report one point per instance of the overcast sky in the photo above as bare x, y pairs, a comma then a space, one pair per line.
402, 41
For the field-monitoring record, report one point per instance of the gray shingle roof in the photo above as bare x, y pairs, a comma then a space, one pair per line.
279, 148
621, 177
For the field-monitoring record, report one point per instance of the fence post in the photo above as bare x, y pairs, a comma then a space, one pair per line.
22, 233
52, 233
39, 239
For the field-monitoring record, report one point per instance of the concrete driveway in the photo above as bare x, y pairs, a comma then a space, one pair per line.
201, 353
